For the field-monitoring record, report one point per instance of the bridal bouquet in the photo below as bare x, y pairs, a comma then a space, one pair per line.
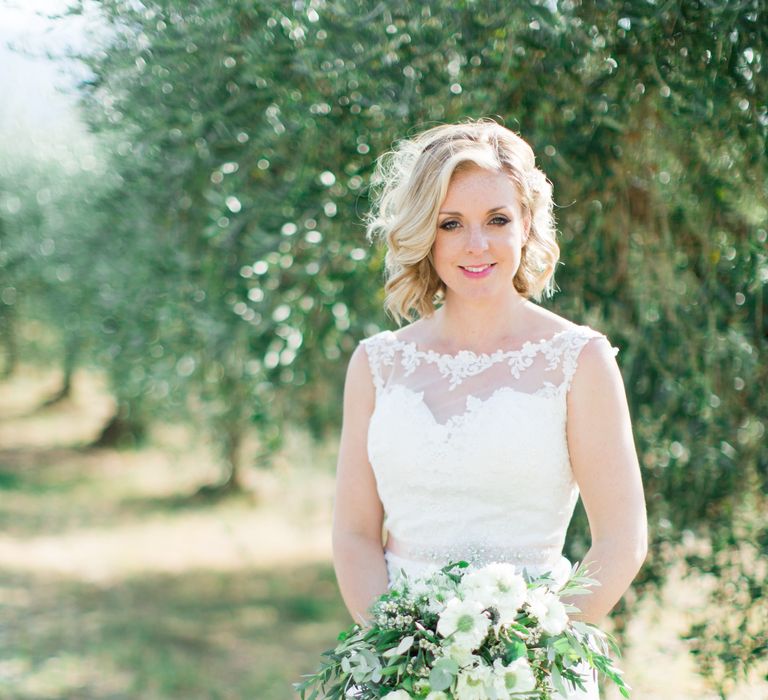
487, 633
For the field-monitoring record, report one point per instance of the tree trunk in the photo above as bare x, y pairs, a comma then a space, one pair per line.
8, 337
71, 353
232, 465
122, 430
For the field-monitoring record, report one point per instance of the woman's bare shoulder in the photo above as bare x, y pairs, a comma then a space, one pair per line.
415, 332
542, 323
359, 385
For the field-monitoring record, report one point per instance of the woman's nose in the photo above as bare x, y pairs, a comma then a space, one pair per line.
477, 241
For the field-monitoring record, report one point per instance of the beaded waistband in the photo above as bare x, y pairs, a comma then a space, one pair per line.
473, 553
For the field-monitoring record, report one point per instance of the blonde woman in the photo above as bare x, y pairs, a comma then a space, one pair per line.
470, 432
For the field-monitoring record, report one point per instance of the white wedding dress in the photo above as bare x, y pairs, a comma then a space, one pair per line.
470, 455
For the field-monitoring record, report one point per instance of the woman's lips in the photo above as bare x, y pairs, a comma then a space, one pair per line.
477, 271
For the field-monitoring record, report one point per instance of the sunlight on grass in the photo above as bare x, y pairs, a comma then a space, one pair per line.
201, 634
116, 583
64, 675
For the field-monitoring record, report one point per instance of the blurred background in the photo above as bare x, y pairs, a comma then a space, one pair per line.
184, 274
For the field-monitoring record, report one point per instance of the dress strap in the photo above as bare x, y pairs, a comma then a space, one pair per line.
381, 354
574, 345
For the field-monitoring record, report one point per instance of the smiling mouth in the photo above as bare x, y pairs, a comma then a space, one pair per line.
476, 268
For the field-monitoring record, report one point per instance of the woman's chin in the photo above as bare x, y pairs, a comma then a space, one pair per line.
487, 294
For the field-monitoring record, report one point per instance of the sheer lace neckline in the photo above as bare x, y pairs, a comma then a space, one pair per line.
527, 347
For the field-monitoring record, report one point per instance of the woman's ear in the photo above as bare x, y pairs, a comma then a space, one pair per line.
527, 220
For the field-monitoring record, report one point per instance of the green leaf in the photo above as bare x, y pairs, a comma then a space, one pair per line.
405, 644
440, 679
443, 673
557, 680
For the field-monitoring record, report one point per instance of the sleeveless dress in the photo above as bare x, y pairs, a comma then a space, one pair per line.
470, 455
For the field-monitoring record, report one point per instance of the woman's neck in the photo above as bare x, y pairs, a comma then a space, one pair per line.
480, 326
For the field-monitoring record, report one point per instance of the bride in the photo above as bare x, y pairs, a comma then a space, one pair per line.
471, 431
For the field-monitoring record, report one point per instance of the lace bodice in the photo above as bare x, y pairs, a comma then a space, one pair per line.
469, 450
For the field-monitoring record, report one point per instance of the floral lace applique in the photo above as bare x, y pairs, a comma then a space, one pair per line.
561, 348
466, 363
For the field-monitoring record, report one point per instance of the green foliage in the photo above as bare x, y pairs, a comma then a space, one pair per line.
405, 648
730, 639
225, 268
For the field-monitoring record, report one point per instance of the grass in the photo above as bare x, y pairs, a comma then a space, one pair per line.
115, 584
201, 634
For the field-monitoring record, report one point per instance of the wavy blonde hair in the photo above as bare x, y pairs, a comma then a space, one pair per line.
410, 183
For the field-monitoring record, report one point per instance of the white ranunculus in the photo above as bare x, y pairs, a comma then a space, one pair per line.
517, 677
465, 622
398, 695
437, 695
547, 608
474, 683
498, 585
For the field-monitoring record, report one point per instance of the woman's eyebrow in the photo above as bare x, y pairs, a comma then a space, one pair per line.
458, 213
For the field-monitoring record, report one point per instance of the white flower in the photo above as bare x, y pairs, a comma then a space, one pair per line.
421, 686
397, 695
461, 655
432, 593
474, 683
437, 695
498, 585
516, 678
546, 607
419, 587
464, 622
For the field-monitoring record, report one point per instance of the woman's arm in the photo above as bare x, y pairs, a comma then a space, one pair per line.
358, 554
605, 465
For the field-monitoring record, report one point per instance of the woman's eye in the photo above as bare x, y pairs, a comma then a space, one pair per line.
452, 224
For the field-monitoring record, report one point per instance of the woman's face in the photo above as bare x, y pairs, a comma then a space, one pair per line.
480, 235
